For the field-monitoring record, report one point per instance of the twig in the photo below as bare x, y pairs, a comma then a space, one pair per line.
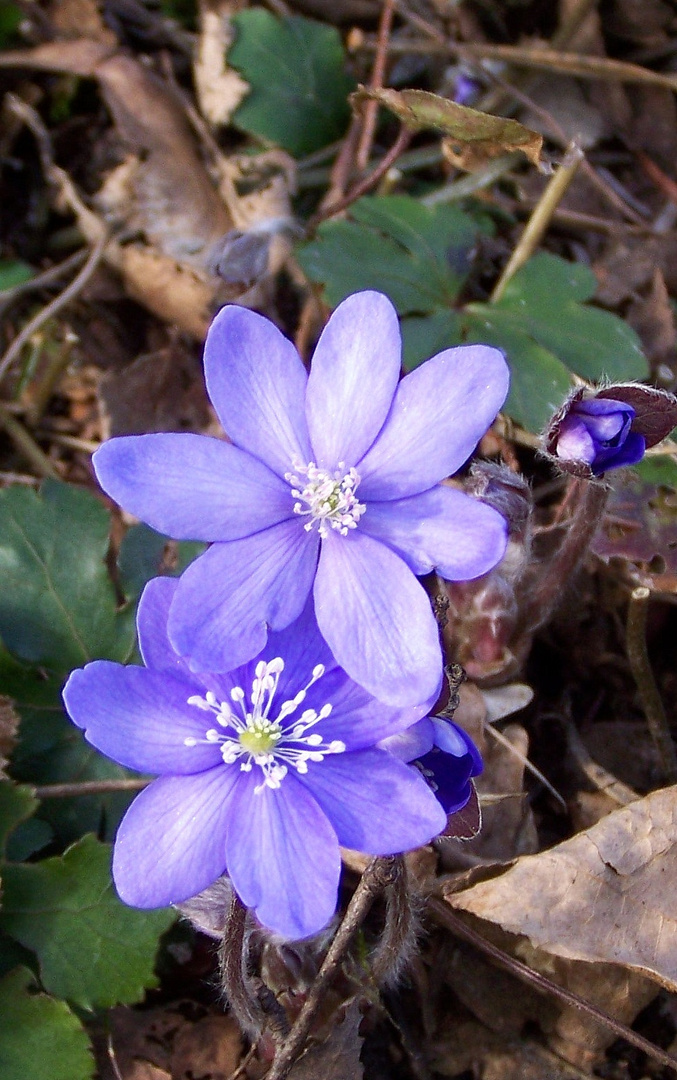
26, 445
500, 738
43, 280
540, 218
370, 110
640, 665
89, 787
364, 185
377, 876
468, 185
55, 305
453, 922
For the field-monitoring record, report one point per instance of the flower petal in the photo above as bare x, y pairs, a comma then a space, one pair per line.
439, 414
377, 619
357, 719
228, 595
152, 614
192, 487
451, 778
139, 718
441, 529
352, 378
302, 648
412, 743
257, 381
376, 803
171, 842
283, 856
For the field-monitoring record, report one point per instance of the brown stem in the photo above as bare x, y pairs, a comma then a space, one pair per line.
366, 184
378, 875
88, 787
375, 83
232, 962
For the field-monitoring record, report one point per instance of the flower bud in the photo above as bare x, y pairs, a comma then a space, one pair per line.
595, 431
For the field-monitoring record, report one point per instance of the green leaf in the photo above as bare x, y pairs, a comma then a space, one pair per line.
40, 1038
659, 469
539, 382
295, 68
16, 805
92, 949
58, 604
545, 299
419, 256
425, 335
143, 555
13, 271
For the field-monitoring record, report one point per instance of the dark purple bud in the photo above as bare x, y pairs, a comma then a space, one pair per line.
594, 432
450, 765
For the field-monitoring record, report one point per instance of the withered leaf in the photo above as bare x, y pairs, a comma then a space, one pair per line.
607, 895
655, 410
640, 523
474, 137
339, 1056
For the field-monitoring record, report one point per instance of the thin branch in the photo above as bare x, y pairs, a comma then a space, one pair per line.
453, 922
370, 110
378, 875
26, 445
540, 219
366, 184
89, 787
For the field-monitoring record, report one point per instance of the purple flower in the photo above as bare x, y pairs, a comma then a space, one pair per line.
598, 432
330, 484
446, 756
263, 772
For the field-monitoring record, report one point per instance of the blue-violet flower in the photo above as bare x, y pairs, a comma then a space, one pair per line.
331, 484
263, 772
444, 753
598, 432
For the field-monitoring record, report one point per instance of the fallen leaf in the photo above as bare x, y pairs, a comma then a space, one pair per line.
219, 88
604, 896
339, 1056
474, 137
639, 523
211, 1047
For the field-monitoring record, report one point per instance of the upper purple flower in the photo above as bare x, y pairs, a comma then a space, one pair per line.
597, 432
330, 484
263, 772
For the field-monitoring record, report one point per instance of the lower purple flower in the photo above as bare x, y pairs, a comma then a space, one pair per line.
446, 756
262, 772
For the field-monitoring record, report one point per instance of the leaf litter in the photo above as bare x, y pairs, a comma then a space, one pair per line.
200, 188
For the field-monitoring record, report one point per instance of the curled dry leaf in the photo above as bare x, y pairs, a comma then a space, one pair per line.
607, 895
473, 137
219, 88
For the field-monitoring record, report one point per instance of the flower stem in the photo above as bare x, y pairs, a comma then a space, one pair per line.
398, 939
640, 665
379, 874
231, 963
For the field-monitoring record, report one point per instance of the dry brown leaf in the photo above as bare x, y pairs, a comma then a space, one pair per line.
219, 88
607, 895
211, 1047
9, 725
474, 137
171, 290
339, 1056
160, 391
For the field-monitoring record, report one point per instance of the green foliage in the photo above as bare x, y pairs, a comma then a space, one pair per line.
12, 271
295, 68
16, 805
660, 469
10, 18
58, 606
92, 949
143, 556
420, 257
40, 1038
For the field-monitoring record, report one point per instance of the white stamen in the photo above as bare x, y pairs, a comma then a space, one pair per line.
327, 499
254, 738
